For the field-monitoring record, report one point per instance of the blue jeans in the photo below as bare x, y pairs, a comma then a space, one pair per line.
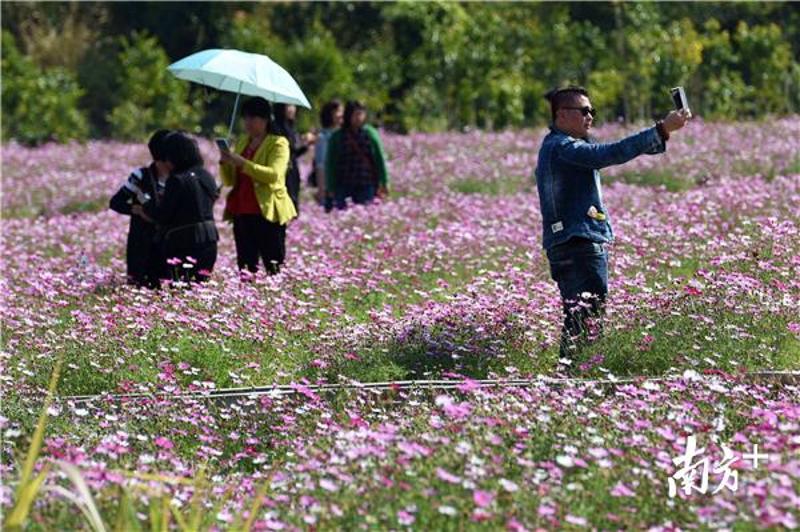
580, 267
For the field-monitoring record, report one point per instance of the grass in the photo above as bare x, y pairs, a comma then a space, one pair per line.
681, 341
423, 352
88, 206
653, 178
769, 172
583, 491
793, 167
30, 482
734, 341
428, 353
73, 207
494, 187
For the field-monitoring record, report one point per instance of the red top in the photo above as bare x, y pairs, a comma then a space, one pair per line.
242, 199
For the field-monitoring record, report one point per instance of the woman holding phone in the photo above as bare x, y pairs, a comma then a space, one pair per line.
258, 204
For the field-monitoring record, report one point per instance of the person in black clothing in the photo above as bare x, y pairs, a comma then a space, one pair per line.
186, 213
145, 264
285, 115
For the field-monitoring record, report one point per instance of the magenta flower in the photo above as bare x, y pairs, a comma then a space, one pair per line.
621, 490
163, 442
546, 510
482, 499
444, 475
405, 518
468, 386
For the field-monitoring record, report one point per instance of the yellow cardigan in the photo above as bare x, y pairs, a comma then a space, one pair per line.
268, 172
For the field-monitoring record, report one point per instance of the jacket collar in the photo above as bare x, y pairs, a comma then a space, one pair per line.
557, 131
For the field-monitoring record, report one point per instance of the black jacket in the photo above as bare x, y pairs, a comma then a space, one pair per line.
186, 213
141, 250
296, 149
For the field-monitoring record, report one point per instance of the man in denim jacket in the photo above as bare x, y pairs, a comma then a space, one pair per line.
575, 221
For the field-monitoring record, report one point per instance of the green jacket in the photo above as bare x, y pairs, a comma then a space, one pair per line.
268, 172
334, 151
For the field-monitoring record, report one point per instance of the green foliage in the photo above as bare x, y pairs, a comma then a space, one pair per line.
610, 86
748, 72
459, 75
655, 177
60, 35
148, 96
253, 34
766, 62
30, 481
38, 104
725, 91
97, 75
418, 66
317, 64
321, 69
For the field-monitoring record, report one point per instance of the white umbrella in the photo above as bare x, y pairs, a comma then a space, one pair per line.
242, 73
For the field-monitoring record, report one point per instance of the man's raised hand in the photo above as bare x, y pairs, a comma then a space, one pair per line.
676, 120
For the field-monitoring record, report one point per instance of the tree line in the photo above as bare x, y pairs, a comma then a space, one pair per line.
81, 69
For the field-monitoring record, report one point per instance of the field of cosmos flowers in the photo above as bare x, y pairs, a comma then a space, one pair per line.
445, 280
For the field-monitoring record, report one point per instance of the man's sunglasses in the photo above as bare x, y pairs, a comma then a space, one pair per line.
584, 110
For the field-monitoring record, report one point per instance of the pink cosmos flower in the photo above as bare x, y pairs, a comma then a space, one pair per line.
512, 525
468, 386
328, 485
480, 515
163, 442
576, 520
545, 510
452, 409
621, 490
405, 518
482, 498
442, 474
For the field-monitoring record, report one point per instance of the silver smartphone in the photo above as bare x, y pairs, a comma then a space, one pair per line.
679, 98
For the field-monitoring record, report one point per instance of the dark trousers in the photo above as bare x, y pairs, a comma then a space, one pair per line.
293, 185
361, 195
580, 267
144, 255
196, 261
256, 237
150, 273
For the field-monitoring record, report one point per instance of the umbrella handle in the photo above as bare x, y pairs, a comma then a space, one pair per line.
235, 106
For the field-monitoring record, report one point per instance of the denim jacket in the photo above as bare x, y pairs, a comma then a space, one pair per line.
568, 180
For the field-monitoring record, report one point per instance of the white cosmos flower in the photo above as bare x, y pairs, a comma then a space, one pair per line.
508, 485
447, 510
565, 461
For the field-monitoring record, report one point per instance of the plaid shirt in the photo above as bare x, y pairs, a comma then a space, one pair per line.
356, 166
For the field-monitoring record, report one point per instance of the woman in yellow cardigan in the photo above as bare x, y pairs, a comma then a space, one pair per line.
259, 204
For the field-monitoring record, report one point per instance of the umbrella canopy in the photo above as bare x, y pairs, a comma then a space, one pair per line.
241, 73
